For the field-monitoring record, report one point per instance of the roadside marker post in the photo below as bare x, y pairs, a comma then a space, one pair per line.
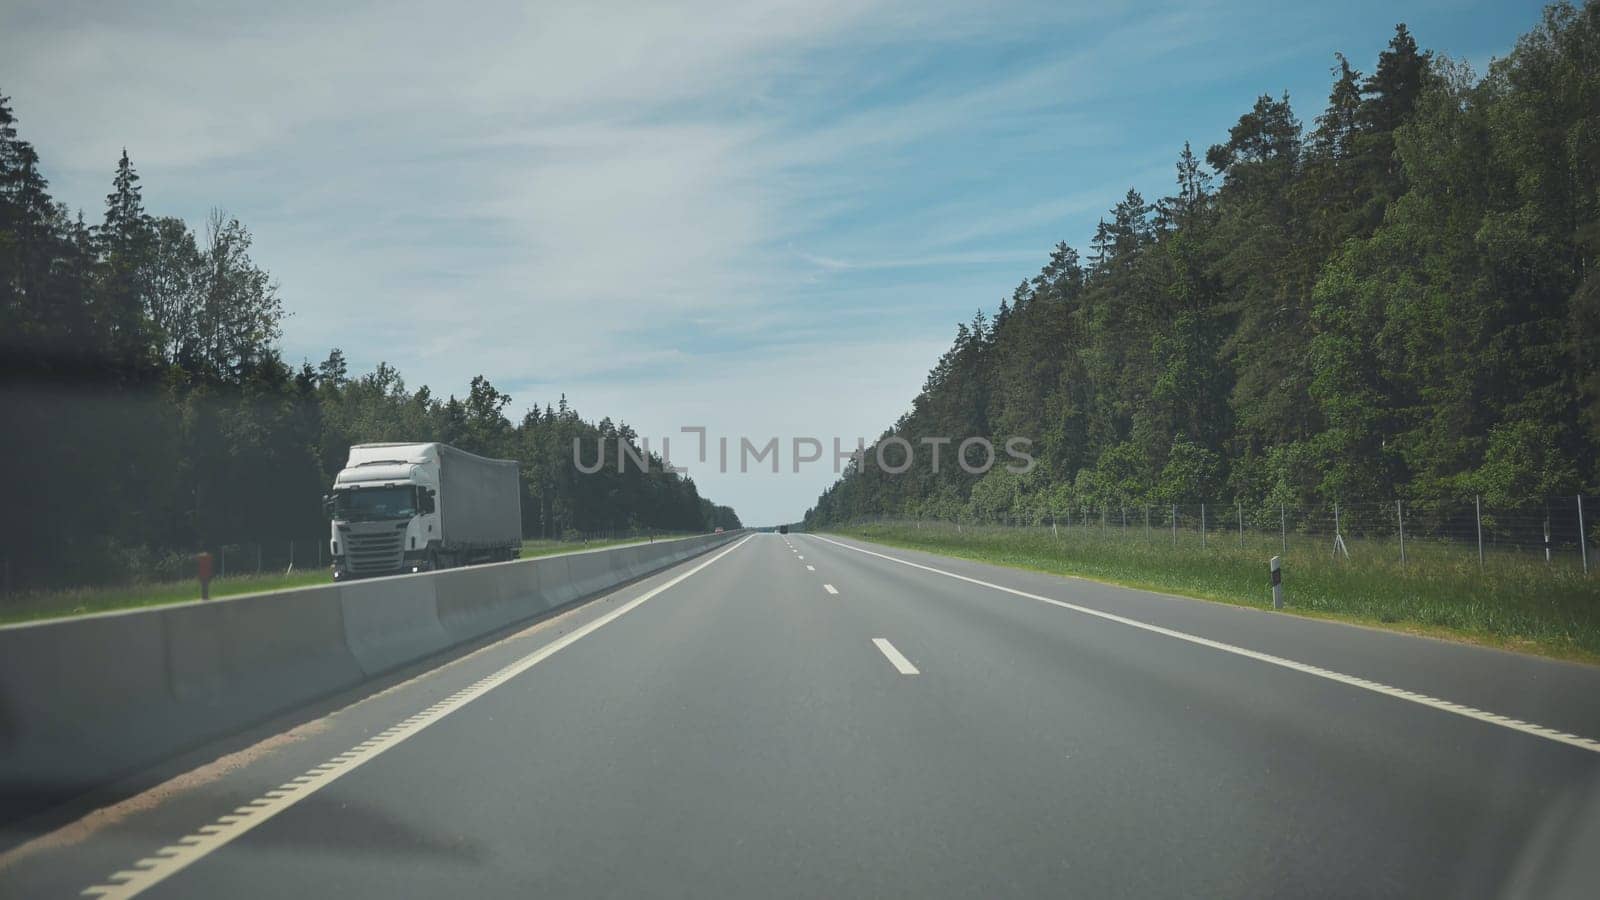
203, 567
1276, 565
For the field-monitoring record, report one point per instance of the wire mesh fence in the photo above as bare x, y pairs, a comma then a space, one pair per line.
260, 557
1559, 533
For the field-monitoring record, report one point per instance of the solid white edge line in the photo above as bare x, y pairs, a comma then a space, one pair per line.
896, 658
830, 589
1549, 734
174, 858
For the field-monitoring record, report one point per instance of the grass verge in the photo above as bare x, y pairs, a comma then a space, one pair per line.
33, 605
534, 548
1514, 603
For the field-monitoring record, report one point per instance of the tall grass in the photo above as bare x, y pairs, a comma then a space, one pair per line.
1516, 600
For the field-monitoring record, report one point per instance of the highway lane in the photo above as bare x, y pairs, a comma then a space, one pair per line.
797, 717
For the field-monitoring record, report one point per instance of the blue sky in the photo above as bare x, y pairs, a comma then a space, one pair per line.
764, 218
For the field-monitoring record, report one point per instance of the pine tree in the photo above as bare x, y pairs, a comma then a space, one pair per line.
124, 242
30, 241
334, 370
1337, 127
1194, 188
1391, 92
125, 221
1267, 136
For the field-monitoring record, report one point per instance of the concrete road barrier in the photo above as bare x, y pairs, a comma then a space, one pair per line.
481, 599
78, 703
260, 654
643, 560
591, 571
555, 581
389, 622
87, 700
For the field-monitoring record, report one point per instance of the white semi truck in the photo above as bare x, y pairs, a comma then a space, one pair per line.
415, 507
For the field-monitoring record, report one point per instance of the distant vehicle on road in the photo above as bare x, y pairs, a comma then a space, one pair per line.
783, 529
415, 507
719, 530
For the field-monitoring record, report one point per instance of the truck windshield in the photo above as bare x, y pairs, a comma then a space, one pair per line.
366, 504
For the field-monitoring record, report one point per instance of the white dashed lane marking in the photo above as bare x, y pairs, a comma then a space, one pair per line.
896, 658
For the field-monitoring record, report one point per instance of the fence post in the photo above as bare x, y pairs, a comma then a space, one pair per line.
1400, 519
1477, 514
1202, 526
1583, 539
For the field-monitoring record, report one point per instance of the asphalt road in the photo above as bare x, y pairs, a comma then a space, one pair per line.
810, 717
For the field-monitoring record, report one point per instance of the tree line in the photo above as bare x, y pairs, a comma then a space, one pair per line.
1401, 302
148, 411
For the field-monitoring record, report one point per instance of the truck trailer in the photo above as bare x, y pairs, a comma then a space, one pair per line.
416, 507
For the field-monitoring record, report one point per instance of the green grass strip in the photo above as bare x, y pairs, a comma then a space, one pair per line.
1516, 602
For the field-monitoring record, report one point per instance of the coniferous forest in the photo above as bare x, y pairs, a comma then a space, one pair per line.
148, 413
1397, 299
